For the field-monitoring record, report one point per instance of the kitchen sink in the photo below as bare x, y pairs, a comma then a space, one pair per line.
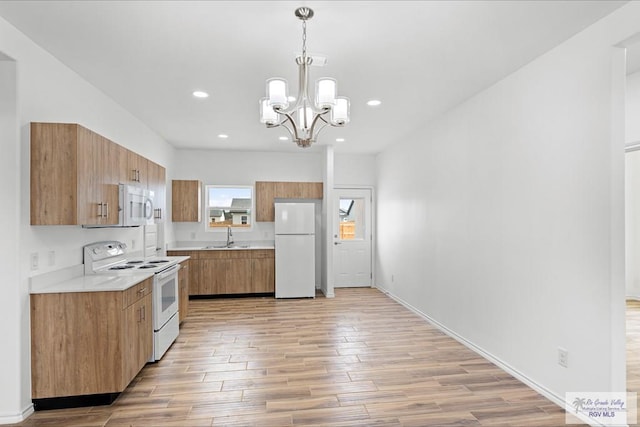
231, 246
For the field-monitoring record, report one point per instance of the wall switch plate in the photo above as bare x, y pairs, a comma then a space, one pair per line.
193, 235
133, 244
52, 258
563, 357
34, 261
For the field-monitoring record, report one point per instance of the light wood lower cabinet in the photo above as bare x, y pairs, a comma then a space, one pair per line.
85, 343
229, 272
183, 290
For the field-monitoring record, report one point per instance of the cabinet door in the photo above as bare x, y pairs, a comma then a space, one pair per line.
89, 174
213, 276
238, 280
265, 193
54, 162
157, 184
111, 153
138, 337
263, 275
195, 276
183, 290
186, 199
137, 173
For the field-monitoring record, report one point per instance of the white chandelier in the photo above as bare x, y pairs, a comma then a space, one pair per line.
304, 120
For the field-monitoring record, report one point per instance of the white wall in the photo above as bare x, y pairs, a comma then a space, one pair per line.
632, 215
247, 167
47, 91
515, 202
354, 169
240, 168
632, 112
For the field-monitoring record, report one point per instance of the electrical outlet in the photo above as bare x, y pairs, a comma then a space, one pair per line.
34, 261
563, 357
133, 244
52, 258
193, 235
392, 278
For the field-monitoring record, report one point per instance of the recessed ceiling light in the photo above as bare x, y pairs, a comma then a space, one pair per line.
200, 94
374, 103
339, 139
223, 136
283, 138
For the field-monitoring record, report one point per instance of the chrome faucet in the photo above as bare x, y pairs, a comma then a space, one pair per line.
229, 236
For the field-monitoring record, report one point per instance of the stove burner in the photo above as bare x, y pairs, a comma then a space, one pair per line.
135, 262
147, 266
121, 267
159, 261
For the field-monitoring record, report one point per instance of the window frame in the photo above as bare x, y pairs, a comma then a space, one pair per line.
208, 208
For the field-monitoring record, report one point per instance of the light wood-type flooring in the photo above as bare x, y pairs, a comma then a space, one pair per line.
359, 359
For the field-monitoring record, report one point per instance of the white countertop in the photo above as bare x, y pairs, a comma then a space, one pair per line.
94, 283
73, 279
220, 246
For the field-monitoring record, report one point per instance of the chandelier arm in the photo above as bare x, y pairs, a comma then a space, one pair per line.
293, 123
315, 120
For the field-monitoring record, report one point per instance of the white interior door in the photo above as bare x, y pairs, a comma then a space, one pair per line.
352, 238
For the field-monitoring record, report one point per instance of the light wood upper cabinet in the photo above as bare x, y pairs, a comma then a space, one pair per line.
89, 342
71, 178
268, 191
186, 201
157, 184
137, 170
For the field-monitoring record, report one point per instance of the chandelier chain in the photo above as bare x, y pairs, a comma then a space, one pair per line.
304, 39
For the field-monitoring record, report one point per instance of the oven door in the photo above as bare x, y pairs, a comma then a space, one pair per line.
165, 296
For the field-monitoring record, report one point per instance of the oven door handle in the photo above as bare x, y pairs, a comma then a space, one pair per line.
169, 271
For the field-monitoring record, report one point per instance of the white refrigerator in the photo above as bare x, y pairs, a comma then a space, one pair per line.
295, 250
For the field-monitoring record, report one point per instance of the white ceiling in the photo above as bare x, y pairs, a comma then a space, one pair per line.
419, 57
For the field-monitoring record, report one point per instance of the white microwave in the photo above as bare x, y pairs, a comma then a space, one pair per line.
135, 206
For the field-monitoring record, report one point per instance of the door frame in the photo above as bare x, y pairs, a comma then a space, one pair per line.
373, 226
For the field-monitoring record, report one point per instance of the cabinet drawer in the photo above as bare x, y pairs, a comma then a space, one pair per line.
263, 253
136, 292
225, 254
192, 254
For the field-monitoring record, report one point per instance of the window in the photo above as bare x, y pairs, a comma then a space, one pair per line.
351, 213
228, 206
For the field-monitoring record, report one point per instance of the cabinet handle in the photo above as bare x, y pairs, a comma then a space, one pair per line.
158, 213
138, 175
106, 215
142, 291
99, 210
144, 312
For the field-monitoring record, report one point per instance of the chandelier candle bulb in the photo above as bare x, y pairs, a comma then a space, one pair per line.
277, 92
325, 93
267, 115
305, 116
340, 113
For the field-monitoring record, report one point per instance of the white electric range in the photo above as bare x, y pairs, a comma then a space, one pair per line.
110, 257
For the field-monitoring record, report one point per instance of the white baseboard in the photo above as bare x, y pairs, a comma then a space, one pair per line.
555, 398
17, 418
